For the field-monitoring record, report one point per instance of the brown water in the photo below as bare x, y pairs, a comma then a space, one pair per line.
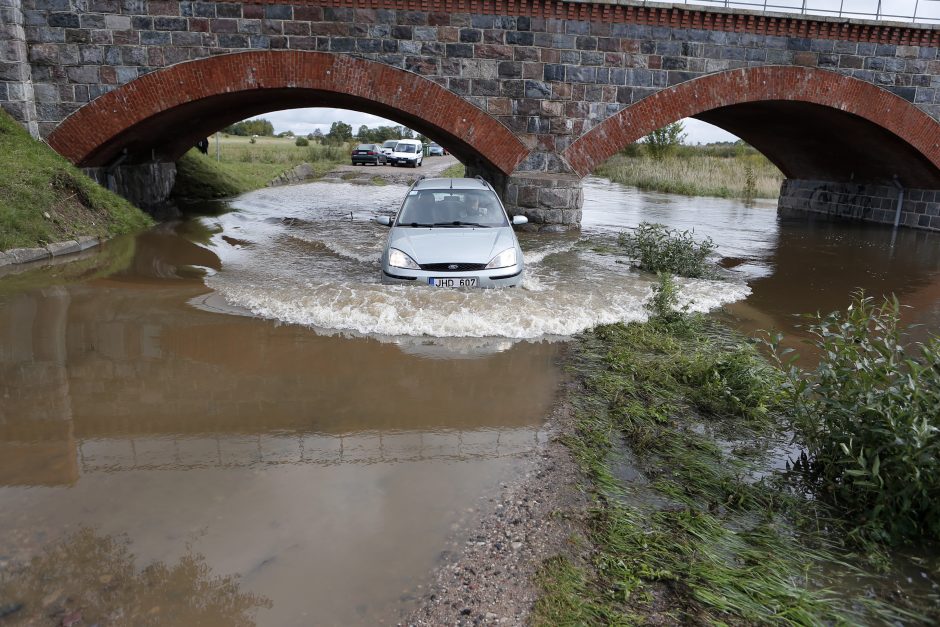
229, 421
326, 473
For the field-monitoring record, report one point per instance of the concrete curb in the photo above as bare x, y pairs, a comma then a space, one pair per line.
18, 256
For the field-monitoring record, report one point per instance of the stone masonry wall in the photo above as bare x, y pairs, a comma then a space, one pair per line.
16, 87
549, 72
871, 203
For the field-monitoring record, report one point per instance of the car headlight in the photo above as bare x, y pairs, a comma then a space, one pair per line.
503, 260
398, 259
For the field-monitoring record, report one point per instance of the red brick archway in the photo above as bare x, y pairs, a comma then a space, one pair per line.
812, 123
163, 113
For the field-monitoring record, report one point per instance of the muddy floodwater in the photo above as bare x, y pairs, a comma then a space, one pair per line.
229, 421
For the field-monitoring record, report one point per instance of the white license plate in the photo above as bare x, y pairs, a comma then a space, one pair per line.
455, 282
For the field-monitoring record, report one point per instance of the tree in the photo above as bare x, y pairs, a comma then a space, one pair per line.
364, 134
340, 133
247, 128
661, 143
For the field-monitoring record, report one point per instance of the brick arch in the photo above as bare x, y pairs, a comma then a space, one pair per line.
163, 113
812, 123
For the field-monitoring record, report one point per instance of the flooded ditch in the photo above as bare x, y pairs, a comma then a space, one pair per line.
229, 420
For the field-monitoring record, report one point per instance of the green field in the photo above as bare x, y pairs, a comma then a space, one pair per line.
45, 199
242, 166
696, 171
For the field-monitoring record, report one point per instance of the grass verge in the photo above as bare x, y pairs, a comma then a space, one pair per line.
696, 174
675, 428
456, 171
244, 166
45, 199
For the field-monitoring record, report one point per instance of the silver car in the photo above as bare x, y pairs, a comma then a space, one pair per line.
452, 233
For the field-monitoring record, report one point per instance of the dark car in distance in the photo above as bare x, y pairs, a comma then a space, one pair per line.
368, 153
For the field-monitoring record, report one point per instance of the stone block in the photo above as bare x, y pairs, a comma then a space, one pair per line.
58, 249
87, 241
25, 255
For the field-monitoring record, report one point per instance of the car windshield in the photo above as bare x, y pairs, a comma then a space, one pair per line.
364, 147
405, 148
390, 144
452, 208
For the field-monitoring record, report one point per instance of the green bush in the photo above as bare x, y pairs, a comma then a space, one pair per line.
656, 248
302, 141
869, 417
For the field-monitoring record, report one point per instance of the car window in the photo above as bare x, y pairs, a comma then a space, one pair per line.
390, 144
405, 148
364, 147
452, 207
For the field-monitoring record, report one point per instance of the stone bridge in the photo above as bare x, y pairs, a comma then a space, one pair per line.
531, 94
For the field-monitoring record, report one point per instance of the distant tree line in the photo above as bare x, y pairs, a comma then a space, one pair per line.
381, 134
340, 133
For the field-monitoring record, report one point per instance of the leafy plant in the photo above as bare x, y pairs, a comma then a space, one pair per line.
663, 305
302, 141
657, 248
869, 416
663, 142
750, 184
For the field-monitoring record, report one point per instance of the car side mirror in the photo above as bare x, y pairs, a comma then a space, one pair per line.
383, 220
516, 220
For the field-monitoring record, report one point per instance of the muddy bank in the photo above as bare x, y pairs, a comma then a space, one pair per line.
491, 578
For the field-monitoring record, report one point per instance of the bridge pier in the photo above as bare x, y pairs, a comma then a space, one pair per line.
870, 202
146, 185
16, 84
552, 201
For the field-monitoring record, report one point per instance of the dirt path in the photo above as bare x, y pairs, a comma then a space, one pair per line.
431, 166
491, 579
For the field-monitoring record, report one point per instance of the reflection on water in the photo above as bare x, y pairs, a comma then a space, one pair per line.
91, 579
793, 265
170, 449
326, 472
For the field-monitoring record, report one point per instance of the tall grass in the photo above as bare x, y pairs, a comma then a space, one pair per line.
695, 538
696, 173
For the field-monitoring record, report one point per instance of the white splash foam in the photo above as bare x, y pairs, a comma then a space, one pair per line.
421, 311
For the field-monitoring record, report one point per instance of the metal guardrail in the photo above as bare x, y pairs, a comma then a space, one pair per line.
914, 11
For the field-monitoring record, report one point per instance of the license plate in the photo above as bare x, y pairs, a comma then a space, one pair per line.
455, 282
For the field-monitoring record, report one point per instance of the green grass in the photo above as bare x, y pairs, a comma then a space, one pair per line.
696, 537
695, 172
37, 182
456, 171
244, 166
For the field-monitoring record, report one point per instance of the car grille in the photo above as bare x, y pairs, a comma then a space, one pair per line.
446, 267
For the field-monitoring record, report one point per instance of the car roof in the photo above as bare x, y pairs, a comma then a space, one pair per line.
446, 184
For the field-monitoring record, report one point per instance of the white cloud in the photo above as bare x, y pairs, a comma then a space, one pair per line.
304, 121
704, 133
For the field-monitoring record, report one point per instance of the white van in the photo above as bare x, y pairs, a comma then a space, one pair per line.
389, 147
407, 152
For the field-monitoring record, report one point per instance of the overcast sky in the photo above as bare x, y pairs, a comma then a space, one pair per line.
304, 121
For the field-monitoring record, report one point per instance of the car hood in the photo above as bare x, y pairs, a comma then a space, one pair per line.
451, 245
